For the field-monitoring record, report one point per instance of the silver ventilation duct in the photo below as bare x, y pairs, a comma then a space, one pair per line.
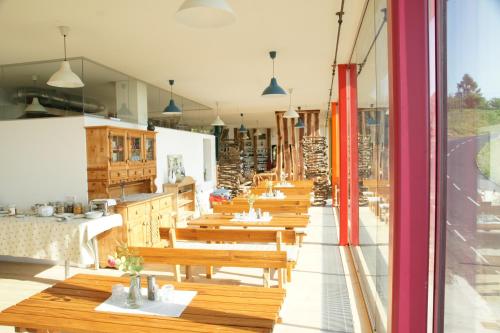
58, 100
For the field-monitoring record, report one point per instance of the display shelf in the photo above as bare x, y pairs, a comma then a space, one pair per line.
185, 197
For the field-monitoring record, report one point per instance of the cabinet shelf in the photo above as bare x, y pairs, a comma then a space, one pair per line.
183, 202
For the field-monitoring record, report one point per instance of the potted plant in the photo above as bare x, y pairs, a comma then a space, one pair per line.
128, 262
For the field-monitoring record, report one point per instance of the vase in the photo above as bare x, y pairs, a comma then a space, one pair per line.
134, 299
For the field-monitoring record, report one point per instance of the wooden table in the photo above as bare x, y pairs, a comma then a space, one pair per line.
297, 204
277, 221
69, 306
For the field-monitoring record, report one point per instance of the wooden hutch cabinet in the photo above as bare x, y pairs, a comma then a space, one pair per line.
119, 157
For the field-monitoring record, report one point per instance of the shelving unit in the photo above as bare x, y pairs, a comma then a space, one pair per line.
261, 151
184, 199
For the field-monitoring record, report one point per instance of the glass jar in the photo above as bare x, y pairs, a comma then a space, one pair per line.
77, 208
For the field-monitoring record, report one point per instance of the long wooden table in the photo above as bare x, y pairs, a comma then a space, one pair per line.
277, 221
298, 204
69, 306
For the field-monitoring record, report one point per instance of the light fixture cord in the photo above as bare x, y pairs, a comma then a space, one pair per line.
273, 67
64, 47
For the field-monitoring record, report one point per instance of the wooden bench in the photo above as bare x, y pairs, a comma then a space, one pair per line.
266, 260
270, 205
247, 240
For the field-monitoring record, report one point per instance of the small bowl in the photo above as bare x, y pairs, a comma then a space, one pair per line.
93, 214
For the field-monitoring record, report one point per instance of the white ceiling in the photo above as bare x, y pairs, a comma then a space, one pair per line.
230, 65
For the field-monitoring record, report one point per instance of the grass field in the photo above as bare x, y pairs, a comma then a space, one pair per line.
468, 122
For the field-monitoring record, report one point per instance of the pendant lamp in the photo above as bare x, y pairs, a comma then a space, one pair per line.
172, 109
64, 77
205, 13
300, 122
218, 121
273, 90
257, 131
242, 129
35, 106
290, 113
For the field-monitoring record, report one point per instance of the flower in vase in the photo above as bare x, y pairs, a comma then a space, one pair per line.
126, 261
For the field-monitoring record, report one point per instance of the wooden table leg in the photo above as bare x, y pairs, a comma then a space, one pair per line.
209, 271
265, 277
189, 272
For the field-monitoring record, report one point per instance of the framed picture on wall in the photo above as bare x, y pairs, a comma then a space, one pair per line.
176, 171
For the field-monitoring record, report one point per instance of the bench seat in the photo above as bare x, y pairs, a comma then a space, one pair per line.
292, 252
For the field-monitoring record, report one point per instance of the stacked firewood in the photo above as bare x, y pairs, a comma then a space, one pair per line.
316, 167
229, 168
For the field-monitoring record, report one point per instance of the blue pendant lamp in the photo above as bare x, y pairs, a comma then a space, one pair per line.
300, 122
172, 109
273, 89
242, 129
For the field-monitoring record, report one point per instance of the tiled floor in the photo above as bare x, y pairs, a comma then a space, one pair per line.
317, 299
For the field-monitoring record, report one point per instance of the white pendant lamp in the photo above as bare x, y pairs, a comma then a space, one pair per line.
64, 77
218, 121
205, 13
290, 113
257, 130
35, 106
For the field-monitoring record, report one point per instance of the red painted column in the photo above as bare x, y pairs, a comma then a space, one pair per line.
343, 157
409, 158
334, 148
353, 129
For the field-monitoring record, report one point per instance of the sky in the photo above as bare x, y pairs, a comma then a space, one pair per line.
474, 44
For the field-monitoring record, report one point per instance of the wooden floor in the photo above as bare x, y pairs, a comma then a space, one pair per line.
317, 299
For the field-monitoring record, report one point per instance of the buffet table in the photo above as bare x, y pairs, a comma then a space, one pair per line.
73, 241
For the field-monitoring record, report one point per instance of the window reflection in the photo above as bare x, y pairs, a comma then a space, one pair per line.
473, 155
372, 254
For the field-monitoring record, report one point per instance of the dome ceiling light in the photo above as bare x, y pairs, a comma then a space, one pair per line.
218, 121
205, 14
35, 106
274, 89
172, 109
64, 77
290, 113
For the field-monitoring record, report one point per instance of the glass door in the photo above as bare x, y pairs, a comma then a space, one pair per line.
117, 150
135, 148
149, 148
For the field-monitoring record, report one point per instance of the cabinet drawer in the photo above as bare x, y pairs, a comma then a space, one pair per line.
150, 171
136, 212
133, 173
97, 175
118, 174
155, 206
166, 203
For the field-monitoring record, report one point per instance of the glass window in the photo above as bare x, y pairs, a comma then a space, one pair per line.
472, 292
372, 254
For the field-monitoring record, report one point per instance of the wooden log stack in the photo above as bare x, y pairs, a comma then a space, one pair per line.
316, 167
229, 168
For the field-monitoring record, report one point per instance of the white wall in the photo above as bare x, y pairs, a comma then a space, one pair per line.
42, 160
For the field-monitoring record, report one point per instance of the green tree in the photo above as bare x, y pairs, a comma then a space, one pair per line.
469, 93
494, 103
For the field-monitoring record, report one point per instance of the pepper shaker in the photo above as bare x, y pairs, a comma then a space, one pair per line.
151, 287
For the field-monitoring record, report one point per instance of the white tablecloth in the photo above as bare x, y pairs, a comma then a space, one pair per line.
46, 238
